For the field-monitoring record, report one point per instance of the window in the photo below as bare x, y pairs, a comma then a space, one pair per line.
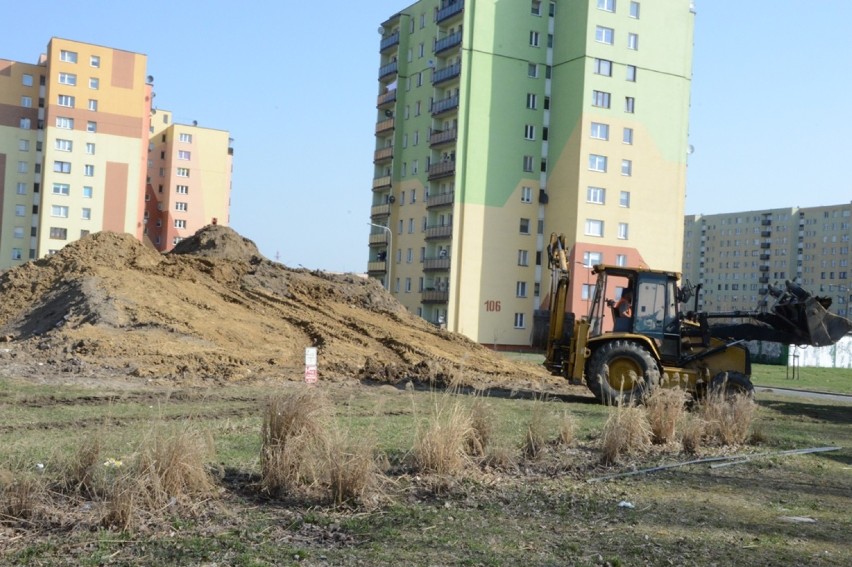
63, 145
68, 56
180, 223
90, 148
600, 131
519, 320
629, 104
634, 10
624, 199
627, 167
588, 291
64, 123
16, 254
410, 226
627, 136
86, 214
23, 167
631, 73
91, 126
62, 166
529, 132
534, 38
183, 154
622, 230
532, 71
95, 61
528, 163
183, 172
597, 163
94, 83
536, 7
621, 260
22, 188
596, 195
182, 189
181, 206
68, 79
603, 67
87, 192
532, 101
523, 257
607, 5
185, 138
525, 226
25, 123
526, 194
592, 259
407, 285
60, 211
594, 227
27, 80
65, 100
93, 105
18, 232
633, 41
61, 189
600, 99
27, 101
20, 210
89, 170
604, 35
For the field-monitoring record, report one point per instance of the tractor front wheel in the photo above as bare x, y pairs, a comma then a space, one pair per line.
622, 371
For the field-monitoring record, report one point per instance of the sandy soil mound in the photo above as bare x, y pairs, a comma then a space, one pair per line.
215, 309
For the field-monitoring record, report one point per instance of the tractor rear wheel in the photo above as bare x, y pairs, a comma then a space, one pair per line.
622, 371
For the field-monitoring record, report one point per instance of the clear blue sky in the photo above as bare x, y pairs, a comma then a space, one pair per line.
296, 82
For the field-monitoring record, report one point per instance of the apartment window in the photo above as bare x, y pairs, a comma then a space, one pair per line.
181, 206
87, 192
552, 9
629, 104
86, 214
534, 38
24, 123
596, 195
183, 154
524, 226
27, 101
185, 138
622, 230
93, 105
528, 163
68, 79
180, 223
521, 289
529, 132
597, 163
547, 71
633, 41
606, 5
592, 259
21, 188
536, 7
634, 10
23, 167
63, 145
61, 189
532, 101
624, 199
95, 61
182, 189
60, 211
526, 194
94, 83
631, 73
417, 107
588, 291
91, 126
62, 166
532, 71
90, 148
65, 100
621, 260
16, 254
604, 35
18, 232
410, 226
89, 170
594, 227
64, 123
519, 321
523, 257
600, 99
20, 210
27, 80
627, 167
627, 136
68, 56
603, 67
600, 131
183, 172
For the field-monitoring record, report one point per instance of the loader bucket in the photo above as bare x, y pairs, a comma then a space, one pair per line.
815, 325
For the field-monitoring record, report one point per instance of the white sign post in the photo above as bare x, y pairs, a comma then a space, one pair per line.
311, 374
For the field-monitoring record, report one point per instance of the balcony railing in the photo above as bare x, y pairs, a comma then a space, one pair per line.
439, 200
380, 210
432, 264
445, 231
434, 296
386, 98
381, 182
445, 104
764, 268
442, 169
384, 126
388, 69
380, 238
764, 279
766, 233
390, 41
450, 9
764, 257
377, 267
383, 154
446, 73
447, 42
443, 137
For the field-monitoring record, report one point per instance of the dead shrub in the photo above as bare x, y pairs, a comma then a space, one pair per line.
122, 499
567, 428
728, 417
501, 457
441, 443
482, 428
22, 499
294, 436
665, 409
352, 474
82, 473
626, 432
535, 438
692, 434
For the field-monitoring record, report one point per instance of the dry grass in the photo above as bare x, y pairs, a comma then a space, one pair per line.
729, 417
22, 498
441, 443
82, 473
482, 428
626, 432
567, 428
692, 434
501, 457
351, 472
535, 438
665, 408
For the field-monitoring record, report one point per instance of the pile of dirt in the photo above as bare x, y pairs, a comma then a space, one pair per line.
216, 309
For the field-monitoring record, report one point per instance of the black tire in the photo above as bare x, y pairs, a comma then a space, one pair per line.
730, 384
622, 372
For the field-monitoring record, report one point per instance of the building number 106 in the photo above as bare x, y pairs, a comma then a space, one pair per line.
492, 305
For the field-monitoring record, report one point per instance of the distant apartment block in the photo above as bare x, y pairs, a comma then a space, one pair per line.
498, 123
737, 256
82, 149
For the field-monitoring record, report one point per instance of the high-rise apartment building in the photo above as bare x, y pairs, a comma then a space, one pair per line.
80, 143
501, 122
737, 256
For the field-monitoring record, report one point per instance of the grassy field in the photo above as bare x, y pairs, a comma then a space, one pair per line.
510, 508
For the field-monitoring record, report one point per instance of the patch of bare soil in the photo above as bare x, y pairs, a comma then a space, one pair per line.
214, 309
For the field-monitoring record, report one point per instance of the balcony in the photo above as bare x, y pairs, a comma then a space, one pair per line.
383, 182
379, 239
436, 264
765, 233
441, 137
434, 296
440, 200
764, 268
442, 169
388, 69
383, 154
377, 267
437, 232
448, 42
444, 105
764, 257
445, 74
388, 42
763, 291
380, 210
764, 280
386, 98
384, 126
766, 222
765, 245
450, 9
